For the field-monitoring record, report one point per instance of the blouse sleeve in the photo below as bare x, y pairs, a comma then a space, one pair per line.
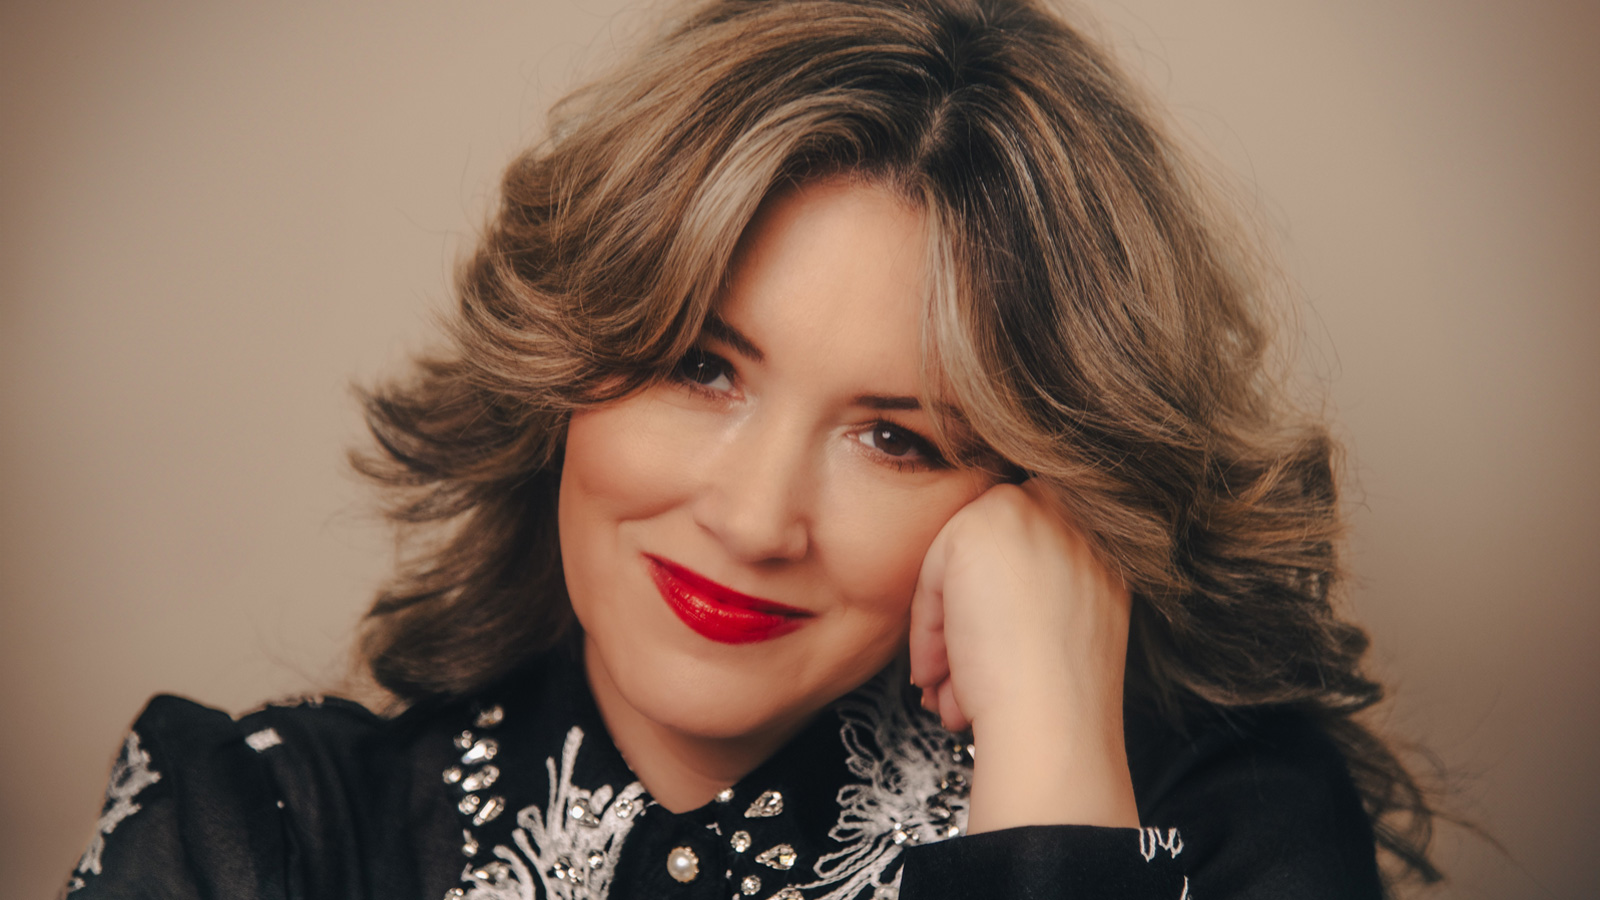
1248, 812
189, 813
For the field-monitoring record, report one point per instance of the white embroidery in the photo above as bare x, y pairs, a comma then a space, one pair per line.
555, 842
264, 739
509, 880
902, 756
1185, 894
1151, 840
130, 775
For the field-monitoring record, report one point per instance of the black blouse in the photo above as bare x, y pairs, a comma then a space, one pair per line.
520, 794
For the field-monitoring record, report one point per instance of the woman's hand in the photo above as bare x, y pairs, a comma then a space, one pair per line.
1019, 633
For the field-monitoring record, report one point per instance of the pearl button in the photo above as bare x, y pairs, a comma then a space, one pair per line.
683, 865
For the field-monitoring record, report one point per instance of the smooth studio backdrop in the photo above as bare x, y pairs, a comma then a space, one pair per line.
215, 217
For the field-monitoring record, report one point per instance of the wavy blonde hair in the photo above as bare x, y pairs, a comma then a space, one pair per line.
1094, 321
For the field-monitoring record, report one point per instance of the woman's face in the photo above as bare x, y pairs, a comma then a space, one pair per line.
741, 541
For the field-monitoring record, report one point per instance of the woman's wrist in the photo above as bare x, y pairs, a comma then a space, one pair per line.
1035, 768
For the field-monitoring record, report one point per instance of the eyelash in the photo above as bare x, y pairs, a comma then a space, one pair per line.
928, 457
701, 358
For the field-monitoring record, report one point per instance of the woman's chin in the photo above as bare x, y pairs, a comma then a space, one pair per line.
757, 695
720, 702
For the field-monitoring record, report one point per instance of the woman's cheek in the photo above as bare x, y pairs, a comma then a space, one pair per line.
621, 468
631, 459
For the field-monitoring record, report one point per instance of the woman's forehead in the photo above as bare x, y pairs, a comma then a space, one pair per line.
835, 268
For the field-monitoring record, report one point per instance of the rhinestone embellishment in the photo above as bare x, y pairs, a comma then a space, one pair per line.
490, 716
740, 842
596, 859
452, 775
725, 795
482, 750
900, 835
779, 857
481, 779
580, 812
492, 807
469, 804
769, 804
465, 739
622, 807
790, 893
750, 885
566, 871
683, 865
469, 844
492, 872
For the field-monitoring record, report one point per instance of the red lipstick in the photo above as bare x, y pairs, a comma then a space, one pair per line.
720, 613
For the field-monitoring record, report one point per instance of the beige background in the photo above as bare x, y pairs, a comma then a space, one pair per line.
212, 221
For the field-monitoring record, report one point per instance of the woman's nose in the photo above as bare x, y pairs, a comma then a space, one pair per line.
755, 497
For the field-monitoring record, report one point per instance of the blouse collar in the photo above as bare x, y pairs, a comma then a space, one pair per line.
544, 796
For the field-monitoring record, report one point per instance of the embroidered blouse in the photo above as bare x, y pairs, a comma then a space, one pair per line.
519, 793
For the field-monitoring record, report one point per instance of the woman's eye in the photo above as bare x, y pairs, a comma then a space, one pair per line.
902, 444
705, 370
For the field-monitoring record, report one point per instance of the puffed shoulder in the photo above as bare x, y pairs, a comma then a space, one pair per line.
279, 803
188, 812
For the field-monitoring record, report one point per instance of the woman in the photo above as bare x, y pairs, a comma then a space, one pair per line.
827, 346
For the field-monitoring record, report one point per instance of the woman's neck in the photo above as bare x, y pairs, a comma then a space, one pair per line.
681, 771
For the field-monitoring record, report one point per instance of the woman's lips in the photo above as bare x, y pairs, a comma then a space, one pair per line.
720, 613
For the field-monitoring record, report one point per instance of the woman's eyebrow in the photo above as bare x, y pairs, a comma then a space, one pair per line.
719, 329
887, 402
